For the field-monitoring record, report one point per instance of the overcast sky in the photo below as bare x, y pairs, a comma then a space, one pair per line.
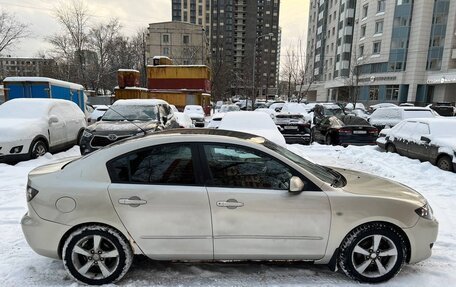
133, 14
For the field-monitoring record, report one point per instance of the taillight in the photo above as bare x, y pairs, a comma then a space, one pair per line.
373, 132
345, 132
30, 193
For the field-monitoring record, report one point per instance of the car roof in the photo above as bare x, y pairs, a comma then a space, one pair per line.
437, 120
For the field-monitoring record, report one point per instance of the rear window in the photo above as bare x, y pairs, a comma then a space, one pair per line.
384, 113
354, 121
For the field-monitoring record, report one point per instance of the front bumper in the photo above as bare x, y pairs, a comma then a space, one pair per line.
198, 122
43, 236
5, 148
422, 237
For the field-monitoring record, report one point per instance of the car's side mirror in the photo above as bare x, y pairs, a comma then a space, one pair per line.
425, 139
53, 119
296, 185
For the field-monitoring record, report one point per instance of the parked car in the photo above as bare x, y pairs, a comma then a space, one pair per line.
294, 127
196, 113
324, 110
345, 130
444, 109
126, 118
296, 108
268, 111
277, 106
217, 118
29, 128
359, 113
202, 194
389, 117
253, 122
184, 120
381, 105
432, 139
97, 114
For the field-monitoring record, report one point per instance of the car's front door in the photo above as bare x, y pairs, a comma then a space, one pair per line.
416, 147
254, 215
158, 197
57, 129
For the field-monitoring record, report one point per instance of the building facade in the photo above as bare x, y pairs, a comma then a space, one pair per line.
382, 51
25, 67
192, 11
185, 43
245, 38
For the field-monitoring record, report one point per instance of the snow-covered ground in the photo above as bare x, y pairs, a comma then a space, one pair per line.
20, 266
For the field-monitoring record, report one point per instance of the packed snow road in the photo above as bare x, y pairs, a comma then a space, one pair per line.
20, 266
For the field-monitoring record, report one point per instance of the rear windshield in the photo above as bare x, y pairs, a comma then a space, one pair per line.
409, 114
354, 121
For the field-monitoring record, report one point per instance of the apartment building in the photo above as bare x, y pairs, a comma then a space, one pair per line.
384, 51
192, 11
25, 67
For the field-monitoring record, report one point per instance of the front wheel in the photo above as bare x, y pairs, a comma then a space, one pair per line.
445, 163
38, 148
97, 255
373, 253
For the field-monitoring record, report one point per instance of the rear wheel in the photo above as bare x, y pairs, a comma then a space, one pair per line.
38, 148
97, 255
391, 148
373, 253
445, 163
329, 140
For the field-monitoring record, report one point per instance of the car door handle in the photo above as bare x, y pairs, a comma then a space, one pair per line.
133, 201
230, 204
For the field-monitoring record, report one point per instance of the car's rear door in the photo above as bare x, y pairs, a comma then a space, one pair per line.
416, 147
158, 195
254, 215
58, 132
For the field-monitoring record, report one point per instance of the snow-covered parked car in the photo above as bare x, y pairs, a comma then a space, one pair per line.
432, 139
31, 127
296, 108
196, 113
254, 123
126, 118
217, 117
389, 117
184, 120
215, 195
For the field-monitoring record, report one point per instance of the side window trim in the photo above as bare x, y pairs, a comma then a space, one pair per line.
207, 173
199, 179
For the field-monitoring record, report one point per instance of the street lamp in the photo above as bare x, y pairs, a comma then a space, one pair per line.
253, 69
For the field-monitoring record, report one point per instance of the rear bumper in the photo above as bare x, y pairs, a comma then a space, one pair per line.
297, 139
422, 237
43, 236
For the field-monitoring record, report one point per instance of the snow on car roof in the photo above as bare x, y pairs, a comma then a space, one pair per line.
45, 80
28, 108
140, 102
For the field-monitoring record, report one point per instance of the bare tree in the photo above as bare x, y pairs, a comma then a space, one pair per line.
74, 17
63, 53
11, 30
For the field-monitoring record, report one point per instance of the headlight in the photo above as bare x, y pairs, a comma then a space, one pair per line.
425, 212
86, 134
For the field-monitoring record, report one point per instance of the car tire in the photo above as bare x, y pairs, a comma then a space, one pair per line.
97, 255
390, 148
328, 140
38, 148
373, 253
445, 163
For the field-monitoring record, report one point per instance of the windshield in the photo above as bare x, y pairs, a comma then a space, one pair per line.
333, 111
325, 174
131, 113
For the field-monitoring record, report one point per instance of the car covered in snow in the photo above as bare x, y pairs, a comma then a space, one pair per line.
31, 127
296, 108
294, 127
184, 120
196, 113
432, 139
126, 118
254, 123
217, 117
217, 195
389, 117
344, 130
97, 113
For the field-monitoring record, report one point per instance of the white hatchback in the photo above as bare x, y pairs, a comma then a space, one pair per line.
31, 127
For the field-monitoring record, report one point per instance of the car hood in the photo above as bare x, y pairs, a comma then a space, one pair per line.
449, 142
19, 129
122, 126
370, 185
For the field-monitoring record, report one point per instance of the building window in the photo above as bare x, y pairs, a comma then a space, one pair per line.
166, 39
381, 6
365, 10
392, 93
166, 51
377, 48
373, 93
379, 27
363, 31
361, 50
186, 39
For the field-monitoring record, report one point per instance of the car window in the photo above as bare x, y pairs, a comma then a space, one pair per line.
421, 129
409, 114
166, 164
406, 131
240, 167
